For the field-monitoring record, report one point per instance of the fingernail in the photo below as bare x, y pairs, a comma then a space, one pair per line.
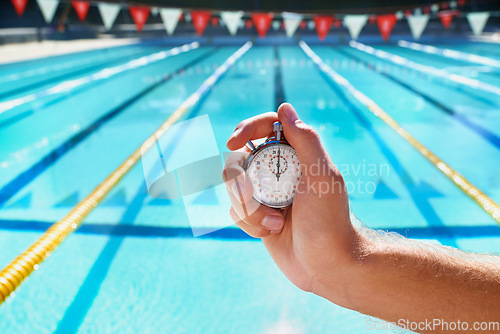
238, 189
273, 222
235, 133
290, 113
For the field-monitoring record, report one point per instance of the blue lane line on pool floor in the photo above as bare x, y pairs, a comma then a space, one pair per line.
81, 304
485, 133
457, 87
420, 200
63, 77
126, 229
279, 94
23, 179
78, 90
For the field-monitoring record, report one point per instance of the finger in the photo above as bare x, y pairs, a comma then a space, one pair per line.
304, 139
258, 215
253, 231
235, 178
253, 128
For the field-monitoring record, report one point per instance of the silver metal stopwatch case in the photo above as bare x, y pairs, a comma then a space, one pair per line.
274, 170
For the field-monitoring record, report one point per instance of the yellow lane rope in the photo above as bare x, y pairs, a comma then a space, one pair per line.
22, 266
486, 203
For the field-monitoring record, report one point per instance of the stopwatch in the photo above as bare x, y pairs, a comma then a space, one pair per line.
274, 170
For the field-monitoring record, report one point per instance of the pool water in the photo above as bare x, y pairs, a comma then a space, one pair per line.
135, 267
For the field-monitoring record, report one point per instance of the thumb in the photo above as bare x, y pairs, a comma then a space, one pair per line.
304, 139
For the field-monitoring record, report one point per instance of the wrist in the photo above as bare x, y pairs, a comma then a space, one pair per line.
341, 282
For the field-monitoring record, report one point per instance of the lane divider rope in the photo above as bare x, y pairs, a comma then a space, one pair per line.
106, 73
27, 262
401, 61
486, 203
448, 53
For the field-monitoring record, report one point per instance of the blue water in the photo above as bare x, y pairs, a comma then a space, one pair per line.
134, 265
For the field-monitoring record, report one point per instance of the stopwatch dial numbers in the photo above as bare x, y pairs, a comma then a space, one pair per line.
275, 174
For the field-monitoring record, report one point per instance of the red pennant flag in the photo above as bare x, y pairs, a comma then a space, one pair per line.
337, 23
446, 17
262, 22
19, 6
248, 24
200, 20
372, 19
81, 8
461, 2
386, 24
408, 12
139, 15
323, 25
445, 5
302, 25
214, 21
426, 10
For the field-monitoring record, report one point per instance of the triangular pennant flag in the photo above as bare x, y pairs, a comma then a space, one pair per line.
453, 4
477, 21
386, 24
434, 7
139, 15
399, 15
232, 21
354, 24
214, 21
337, 23
48, 8
276, 25
200, 20
108, 12
155, 11
323, 25
170, 17
417, 25
262, 22
19, 6
292, 22
81, 8
446, 17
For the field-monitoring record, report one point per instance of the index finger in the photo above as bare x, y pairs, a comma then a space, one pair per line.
256, 127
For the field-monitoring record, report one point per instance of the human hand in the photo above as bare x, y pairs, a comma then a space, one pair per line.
313, 240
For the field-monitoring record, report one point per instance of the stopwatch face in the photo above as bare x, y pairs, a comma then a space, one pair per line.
275, 174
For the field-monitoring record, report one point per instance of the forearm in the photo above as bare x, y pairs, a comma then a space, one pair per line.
416, 282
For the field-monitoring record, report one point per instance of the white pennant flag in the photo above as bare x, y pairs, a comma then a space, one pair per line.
48, 9
276, 25
170, 17
232, 20
292, 22
417, 25
477, 21
354, 24
155, 11
108, 12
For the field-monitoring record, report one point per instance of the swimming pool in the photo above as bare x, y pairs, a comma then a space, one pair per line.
134, 265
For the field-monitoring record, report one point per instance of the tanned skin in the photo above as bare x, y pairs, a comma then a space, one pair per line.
317, 247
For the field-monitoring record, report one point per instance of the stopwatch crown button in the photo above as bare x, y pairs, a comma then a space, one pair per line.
277, 127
